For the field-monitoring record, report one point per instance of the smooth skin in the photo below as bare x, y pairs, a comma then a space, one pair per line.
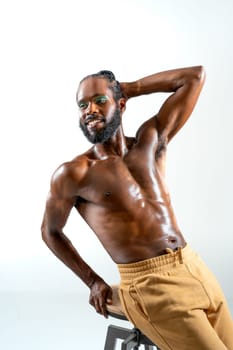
118, 186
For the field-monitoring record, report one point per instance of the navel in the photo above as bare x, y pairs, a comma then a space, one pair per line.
107, 194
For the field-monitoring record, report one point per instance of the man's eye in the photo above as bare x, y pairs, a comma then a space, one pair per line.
82, 105
101, 99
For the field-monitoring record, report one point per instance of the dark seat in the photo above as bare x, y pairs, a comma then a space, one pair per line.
132, 338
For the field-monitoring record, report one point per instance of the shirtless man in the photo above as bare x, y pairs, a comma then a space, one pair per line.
118, 187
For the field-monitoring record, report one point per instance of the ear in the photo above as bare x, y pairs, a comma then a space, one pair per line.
122, 104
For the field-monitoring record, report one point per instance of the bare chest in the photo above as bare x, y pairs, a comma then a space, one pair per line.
121, 182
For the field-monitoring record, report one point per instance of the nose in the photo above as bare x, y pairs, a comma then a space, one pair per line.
92, 108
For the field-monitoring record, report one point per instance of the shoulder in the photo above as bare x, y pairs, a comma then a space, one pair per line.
148, 129
67, 177
148, 134
75, 168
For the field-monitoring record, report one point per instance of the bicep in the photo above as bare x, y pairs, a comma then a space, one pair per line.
147, 131
174, 112
60, 201
177, 108
57, 211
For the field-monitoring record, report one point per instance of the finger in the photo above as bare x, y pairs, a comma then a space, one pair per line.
109, 296
91, 301
101, 307
97, 305
104, 310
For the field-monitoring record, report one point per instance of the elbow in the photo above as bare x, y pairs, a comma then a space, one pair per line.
48, 234
193, 76
44, 232
200, 74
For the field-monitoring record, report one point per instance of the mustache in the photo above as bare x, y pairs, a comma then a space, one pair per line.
91, 117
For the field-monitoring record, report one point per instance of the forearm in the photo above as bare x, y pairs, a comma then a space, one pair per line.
167, 81
61, 246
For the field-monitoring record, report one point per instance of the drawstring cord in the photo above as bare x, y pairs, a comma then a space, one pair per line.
177, 252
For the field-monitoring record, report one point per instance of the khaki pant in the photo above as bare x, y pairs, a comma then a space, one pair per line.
176, 302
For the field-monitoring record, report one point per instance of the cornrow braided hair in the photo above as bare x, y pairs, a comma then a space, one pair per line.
114, 85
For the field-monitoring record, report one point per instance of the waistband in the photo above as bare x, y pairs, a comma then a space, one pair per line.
156, 264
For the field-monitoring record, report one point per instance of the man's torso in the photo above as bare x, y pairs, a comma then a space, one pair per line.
126, 203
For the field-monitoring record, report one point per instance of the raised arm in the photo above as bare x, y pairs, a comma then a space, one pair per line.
61, 199
185, 84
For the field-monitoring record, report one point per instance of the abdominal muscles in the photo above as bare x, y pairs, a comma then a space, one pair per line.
133, 234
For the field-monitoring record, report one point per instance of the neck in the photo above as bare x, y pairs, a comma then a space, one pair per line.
116, 145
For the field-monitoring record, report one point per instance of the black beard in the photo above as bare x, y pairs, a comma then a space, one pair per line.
106, 133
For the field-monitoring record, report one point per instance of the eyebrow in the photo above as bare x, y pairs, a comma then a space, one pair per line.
94, 96
103, 95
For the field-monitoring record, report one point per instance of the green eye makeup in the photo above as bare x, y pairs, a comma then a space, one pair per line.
82, 105
101, 99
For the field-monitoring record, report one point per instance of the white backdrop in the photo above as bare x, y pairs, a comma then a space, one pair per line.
46, 48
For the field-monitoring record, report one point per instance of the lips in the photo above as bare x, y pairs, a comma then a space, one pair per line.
92, 121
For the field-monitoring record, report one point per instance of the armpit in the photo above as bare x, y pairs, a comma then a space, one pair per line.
161, 147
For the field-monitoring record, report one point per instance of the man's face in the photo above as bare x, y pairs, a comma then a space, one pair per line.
99, 113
